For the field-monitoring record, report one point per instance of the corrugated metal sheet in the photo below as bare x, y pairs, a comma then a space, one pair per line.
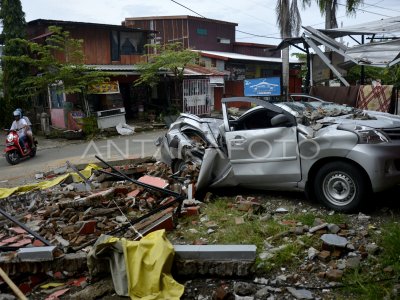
384, 26
237, 56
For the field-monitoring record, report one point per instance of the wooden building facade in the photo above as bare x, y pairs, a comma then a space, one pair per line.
111, 48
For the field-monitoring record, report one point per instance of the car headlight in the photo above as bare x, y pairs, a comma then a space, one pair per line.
366, 135
371, 136
10, 138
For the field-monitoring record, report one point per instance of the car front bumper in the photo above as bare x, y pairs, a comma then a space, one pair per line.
380, 161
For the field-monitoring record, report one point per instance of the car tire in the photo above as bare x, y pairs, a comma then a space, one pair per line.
340, 186
13, 157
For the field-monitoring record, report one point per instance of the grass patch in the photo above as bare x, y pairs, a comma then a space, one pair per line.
309, 218
390, 243
223, 214
286, 257
336, 219
372, 280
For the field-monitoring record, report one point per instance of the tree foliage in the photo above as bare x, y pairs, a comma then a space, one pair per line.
172, 58
59, 59
388, 76
13, 20
329, 8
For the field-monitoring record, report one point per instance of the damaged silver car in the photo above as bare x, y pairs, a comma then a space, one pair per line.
337, 154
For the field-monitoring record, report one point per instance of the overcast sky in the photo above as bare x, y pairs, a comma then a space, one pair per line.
253, 16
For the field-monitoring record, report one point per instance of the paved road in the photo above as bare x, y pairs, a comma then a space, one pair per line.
54, 154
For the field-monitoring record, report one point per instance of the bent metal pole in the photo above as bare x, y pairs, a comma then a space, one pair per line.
27, 229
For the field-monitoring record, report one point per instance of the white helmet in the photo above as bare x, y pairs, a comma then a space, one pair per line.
17, 113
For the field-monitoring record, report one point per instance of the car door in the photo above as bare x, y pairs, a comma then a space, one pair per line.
264, 157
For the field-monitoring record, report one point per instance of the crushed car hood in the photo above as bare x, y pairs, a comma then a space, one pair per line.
325, 113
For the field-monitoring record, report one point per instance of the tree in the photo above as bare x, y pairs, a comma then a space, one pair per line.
59, 60
171, 58
302, 57
13, 20
388, 76
289, 21
328, 8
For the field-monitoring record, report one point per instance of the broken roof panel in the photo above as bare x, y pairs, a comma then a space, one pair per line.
383, 26
381, 54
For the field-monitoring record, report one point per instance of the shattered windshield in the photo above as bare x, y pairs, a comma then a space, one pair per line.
311, 112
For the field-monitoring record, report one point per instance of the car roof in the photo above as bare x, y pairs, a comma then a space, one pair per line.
257, 101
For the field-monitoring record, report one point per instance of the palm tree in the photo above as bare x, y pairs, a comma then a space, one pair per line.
289, 21
329, 9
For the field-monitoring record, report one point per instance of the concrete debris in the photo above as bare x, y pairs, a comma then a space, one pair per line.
72, 217
334, 240
300, 294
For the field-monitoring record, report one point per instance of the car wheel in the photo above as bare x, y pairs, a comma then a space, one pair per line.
340, 186
13, 157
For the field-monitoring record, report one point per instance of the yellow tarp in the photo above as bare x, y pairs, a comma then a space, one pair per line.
140, 269
6, 192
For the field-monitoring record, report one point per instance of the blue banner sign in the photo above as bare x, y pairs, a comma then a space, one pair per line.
270, 86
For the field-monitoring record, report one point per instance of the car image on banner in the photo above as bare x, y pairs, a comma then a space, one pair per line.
270, 86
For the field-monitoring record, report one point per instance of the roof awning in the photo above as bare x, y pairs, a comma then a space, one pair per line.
288, 42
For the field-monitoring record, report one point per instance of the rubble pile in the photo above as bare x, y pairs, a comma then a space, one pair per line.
72, 215
47, 259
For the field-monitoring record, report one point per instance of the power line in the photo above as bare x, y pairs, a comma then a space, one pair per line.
257, 35
381, 7
189, 9
367, 11
367, 5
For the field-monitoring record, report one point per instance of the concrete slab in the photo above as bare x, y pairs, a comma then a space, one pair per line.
36, 253
216, 252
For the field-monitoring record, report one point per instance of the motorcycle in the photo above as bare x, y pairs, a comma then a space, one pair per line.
14, 152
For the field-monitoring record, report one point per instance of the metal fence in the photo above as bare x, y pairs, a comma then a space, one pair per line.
196, 96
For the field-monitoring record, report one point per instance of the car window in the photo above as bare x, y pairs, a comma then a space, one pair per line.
256, 119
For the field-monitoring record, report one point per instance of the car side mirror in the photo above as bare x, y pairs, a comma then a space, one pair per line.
279, 120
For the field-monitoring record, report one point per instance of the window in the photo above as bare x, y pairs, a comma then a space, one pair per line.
126, 43
223, 41
114, 45
127, 47
202, 31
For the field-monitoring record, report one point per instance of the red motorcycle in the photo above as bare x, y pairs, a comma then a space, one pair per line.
14, 152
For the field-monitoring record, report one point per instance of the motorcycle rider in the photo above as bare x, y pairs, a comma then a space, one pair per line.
29, 133
20, 126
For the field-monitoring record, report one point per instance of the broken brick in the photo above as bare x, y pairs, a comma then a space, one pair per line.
154, 181
239, 220
21, 243
25, 288
10, 240
324, 255
37, 243
245, 205
334, 275
88, 227
17, 230
134, 193
192, 211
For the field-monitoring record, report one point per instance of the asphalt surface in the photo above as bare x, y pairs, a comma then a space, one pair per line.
54, 153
